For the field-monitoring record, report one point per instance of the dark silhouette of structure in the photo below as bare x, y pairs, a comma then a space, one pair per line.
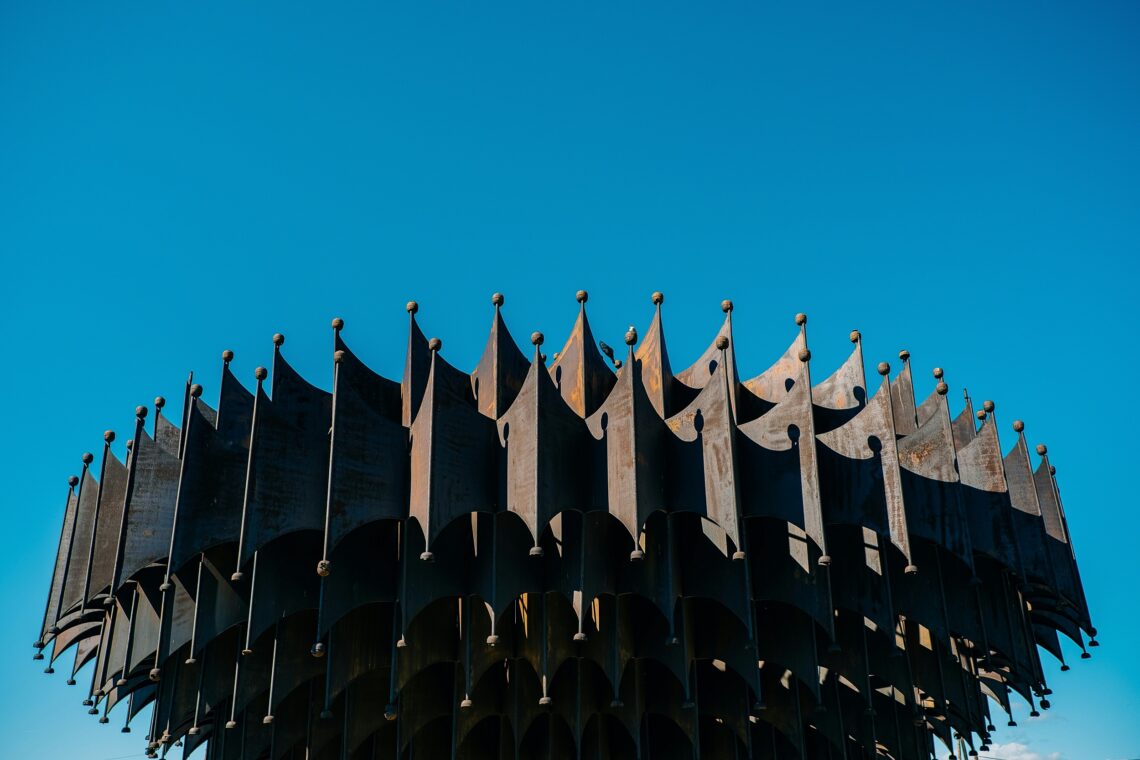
566, 561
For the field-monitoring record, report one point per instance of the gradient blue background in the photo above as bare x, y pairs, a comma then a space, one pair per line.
961, 181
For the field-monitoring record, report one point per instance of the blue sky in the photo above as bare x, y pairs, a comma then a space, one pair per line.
956, 179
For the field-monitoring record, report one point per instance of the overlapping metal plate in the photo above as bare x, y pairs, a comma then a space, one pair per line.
574, 558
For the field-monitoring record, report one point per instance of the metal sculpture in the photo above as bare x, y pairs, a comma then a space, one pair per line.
566, 561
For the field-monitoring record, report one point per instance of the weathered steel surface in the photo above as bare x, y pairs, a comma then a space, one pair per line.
566, 560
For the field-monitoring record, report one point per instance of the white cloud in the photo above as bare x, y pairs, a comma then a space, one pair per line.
1017, 751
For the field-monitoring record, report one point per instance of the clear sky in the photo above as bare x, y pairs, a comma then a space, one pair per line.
956, 179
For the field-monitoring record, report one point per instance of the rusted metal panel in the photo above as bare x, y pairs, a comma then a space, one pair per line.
601, 564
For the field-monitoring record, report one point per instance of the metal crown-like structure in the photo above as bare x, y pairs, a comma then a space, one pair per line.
566, 561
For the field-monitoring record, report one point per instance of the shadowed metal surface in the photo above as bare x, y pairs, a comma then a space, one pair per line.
566, 561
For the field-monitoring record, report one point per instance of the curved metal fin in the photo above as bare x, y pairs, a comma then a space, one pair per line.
417, 366
788, 427
501, 371
301, 404
697, 375
59, 574
776, 382
287, 477
963, 426
653, 360
368, 475
932, 405
210, 489
75, 633
708, 420
1049, 504
1019, 479
930, 478
84, 532
634, 438
902, 401
871, 434
151, 506
980, 460
112, 498
1057, 531
380, 393
453, 454
546, 443
168, 435
235, 408
846, 388
580, 373
929, 450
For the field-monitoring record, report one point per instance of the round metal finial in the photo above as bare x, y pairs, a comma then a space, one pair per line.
338, 356
980, 414
195, 391
1018, 426
938, 373
801, 319
435, 344
337, 323
318, 649
582, 296
324, 567
722, 342
988, 406
465, 703
88, 457
493, 640
159, 402
726, 306
941, 389
904, 355
497, 299
631, 335
412, 307
109, 436
536, 338
1042, 449
805, 355
227, 356
140, 412
389, 712
658, 298
884, 368
261, 373
855, 336
73, 481
278, 339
